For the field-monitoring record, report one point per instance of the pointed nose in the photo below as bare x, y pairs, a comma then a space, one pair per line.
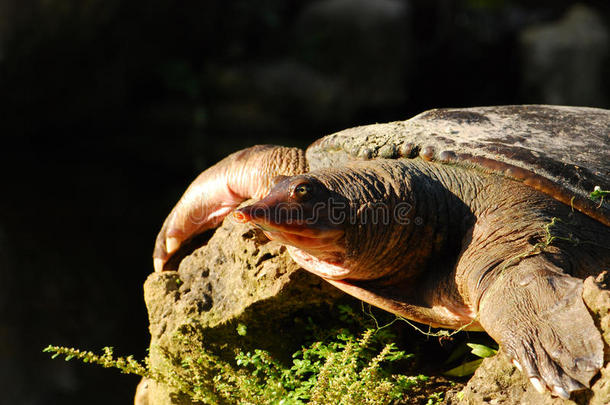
242, 215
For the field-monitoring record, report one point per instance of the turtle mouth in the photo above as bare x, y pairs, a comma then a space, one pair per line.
328, 270
318, 247
319, 240
300, 241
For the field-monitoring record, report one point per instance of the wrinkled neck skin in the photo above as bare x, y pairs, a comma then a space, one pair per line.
521, 227
427, 240
403, 219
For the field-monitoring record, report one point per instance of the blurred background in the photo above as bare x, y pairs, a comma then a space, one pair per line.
109, 108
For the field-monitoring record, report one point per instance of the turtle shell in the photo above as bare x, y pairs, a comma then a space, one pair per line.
561, 151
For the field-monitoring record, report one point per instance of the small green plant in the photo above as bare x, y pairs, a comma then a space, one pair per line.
598, 195
127, 365
435, 399
344, 369
469, 367
549, 239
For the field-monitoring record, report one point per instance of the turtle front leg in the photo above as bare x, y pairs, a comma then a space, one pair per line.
538, 316
218, 190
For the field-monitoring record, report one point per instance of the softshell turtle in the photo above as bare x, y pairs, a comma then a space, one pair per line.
474, 218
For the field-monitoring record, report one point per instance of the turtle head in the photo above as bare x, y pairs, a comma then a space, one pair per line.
298, 211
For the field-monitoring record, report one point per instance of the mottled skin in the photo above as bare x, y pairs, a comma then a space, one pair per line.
458, 247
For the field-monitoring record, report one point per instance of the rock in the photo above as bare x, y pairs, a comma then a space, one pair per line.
142, 397
497, 381
239, 277
563, 62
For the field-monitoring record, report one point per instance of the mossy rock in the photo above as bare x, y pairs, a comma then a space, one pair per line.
238, 279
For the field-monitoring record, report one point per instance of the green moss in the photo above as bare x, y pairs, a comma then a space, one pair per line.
336, 367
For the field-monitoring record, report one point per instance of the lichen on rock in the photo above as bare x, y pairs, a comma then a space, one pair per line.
238, 278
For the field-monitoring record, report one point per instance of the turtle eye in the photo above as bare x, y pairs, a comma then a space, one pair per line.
302, 191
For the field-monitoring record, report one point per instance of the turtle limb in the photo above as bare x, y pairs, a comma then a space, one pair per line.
400, 300
538, 316
218, 190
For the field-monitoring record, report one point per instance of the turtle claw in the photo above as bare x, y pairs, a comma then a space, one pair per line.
158, 264
171, 245
545, 374
537, 384
545, 329
551, 361
560, 392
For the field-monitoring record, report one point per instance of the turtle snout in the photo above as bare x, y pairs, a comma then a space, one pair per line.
242, 215
257, 212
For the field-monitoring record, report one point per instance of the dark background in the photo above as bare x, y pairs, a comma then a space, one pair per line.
109, 108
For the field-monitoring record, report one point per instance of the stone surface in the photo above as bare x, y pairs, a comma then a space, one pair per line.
497, 381
238, 277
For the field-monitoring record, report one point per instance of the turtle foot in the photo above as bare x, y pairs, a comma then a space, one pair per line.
540, 320
218, 191
550, 366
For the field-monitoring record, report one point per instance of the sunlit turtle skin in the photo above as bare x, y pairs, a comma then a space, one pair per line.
475, 218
